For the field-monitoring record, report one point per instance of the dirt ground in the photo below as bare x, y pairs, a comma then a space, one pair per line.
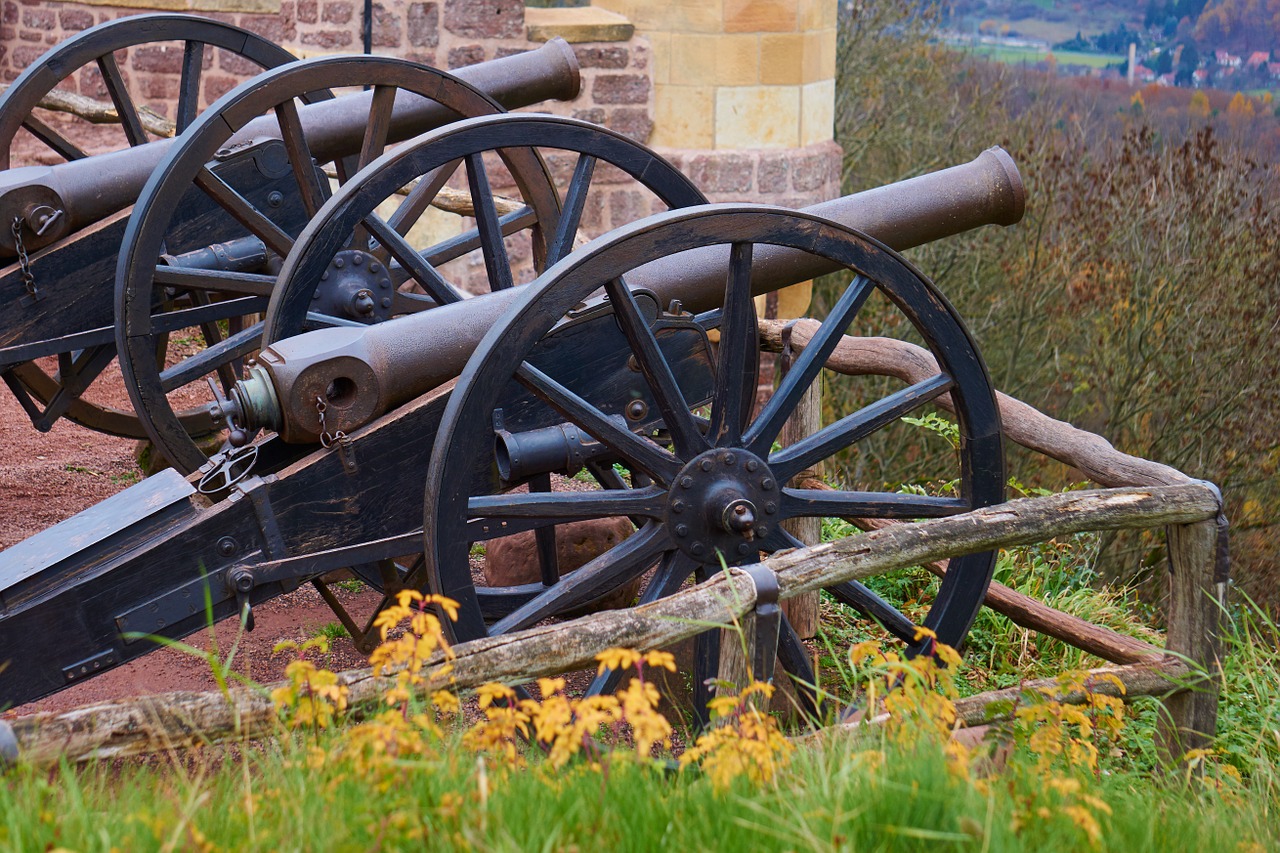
47, 477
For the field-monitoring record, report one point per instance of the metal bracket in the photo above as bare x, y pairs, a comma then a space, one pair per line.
768, 620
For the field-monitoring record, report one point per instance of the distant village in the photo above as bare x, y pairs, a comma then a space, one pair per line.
1220, 69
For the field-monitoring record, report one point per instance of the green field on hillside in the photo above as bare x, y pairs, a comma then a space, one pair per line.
1015, 55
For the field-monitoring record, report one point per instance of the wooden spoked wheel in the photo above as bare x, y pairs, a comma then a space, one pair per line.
714, 486
83, 71
259, 211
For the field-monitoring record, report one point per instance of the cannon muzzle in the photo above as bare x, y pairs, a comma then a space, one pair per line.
364, 372
53, 201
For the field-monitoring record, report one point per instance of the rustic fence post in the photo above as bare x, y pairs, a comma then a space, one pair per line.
802, 611
1196, 597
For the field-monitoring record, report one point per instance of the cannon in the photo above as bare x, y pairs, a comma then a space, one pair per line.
595, 392
65, 223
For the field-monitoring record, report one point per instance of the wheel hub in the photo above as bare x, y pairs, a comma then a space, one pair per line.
723, 503
355, 285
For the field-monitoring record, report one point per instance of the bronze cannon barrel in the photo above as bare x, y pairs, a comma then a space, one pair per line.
384, 365
88, 190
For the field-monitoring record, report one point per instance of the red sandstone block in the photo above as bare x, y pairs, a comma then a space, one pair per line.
620, 89
237, 65
596, 115
722, 173
467, 55
337, 13
158, 59
10, 13
159, 87
485, 18
217, 85
424, 24
632, 122
308, 11
809, 171
386, 27
602, 56
772, 173
25, 54
328, 39
39, 19
75, 20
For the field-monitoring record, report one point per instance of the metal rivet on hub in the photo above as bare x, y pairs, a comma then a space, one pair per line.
766, 484
315, 295
762, 530
705, 465
386, 302
275, 198
696, 548
771, 508
358, 260
686, 483
375, 267
227, 546
752, 465
324, 276
677, 506
339, 263
730, 459
682, 530
743, 548
385, 283
637, 409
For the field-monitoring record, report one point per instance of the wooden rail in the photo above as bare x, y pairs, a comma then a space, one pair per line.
1146, 494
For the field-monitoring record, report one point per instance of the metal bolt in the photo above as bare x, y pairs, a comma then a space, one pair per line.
316, 295
682, 530
771, 508
766, 484
637, 409
357, 260
743, 548
385, 283
696, 548
752, 465
324, 276
686, 483
227, 546
730, 459
275, 198
705, 465
386, 302
339, 263
677, 506
762, 530
375, 267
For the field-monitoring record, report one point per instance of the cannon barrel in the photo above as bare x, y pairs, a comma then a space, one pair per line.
365, 372
82, 192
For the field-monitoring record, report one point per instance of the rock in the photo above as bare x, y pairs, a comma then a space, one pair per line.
513, 560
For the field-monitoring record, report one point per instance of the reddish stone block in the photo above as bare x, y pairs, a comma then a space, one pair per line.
632, 122
595, 115
75, 20
91, 84
337, 13
25, 54
8, 33
466, 55
386, 27
602, 56
158, 59
217, 85
275, 28
424, 24
508, 51
308, 11
159, 87
485, 18
328, 39
39, 19
9, 15
810, 172
427, 57
621, 89
626, 206
31, 35
238, 65
772, 173
722, 173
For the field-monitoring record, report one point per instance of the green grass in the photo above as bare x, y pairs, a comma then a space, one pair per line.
1016, 55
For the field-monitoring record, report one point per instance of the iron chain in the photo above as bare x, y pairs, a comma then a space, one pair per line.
327, 439
28, 279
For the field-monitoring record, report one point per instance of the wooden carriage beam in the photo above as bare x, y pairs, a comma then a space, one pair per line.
179, 720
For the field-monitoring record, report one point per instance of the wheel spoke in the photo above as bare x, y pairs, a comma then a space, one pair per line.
410, 303
854, 427
218, 281
570, 506
420, 197
468, 241
574, 201
736, 362
545, 537
64, 147
794, 658
639, 452
172, 321
761, 434
120, 97
605, 573
841, 504
189, 85
670, 575
304, 168
418, 267
486, 214
243, 212
375, 132
206, 361
855, 595
688, 441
